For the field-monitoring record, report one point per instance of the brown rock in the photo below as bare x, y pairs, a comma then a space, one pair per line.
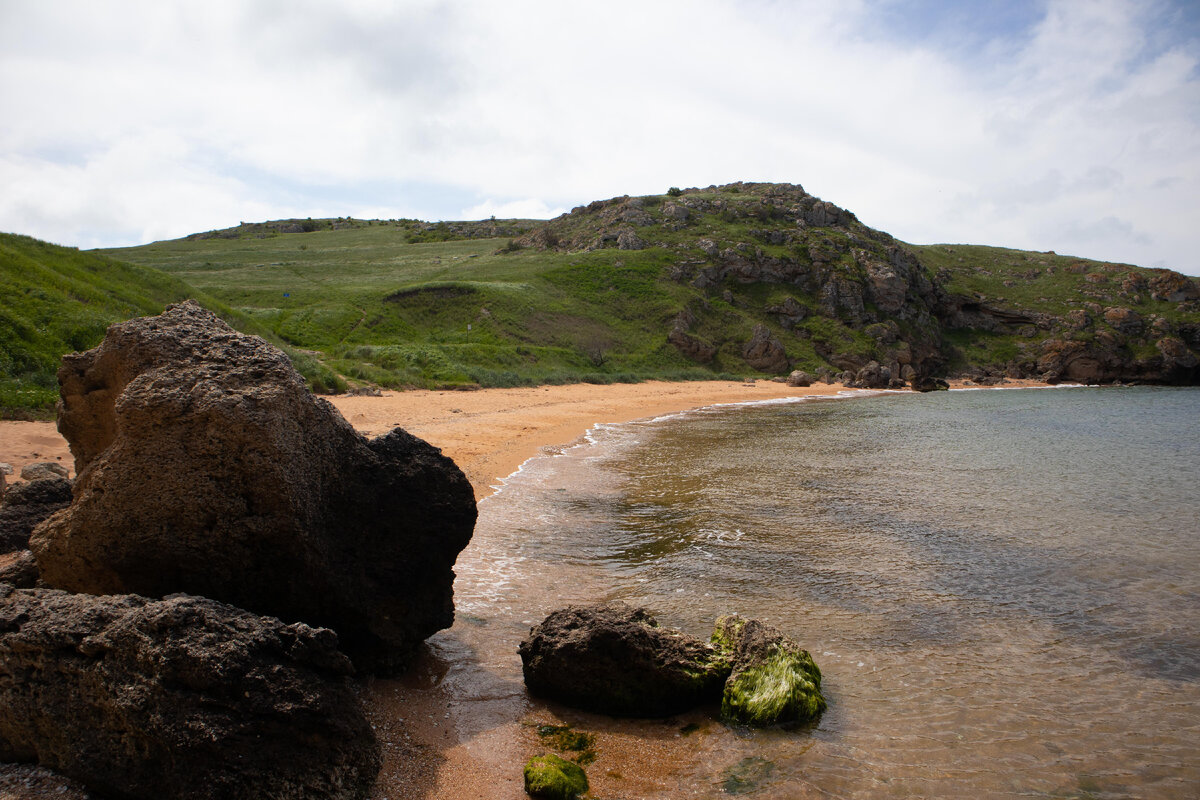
205, 466
179, 699
764, 352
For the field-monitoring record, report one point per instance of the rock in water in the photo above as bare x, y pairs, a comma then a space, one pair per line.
552, 777
181, 698
614, 659
205, 466
774, 681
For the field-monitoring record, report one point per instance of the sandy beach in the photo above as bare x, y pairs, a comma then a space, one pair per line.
436, 744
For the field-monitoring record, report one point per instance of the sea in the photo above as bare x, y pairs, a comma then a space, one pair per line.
1001, 587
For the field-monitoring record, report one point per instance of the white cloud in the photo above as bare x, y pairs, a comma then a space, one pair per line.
201, 115
529, 208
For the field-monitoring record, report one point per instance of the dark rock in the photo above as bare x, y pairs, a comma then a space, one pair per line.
773, 680
764, 352
614, 659
19, 569
928, 383
26, 505
44, 470
205, 466
872, 376
181, 698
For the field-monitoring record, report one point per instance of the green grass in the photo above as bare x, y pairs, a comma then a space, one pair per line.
384, 310
58, 300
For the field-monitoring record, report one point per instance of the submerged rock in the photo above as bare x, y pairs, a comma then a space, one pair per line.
179, 698
551, 777
615, 659
773, 680
205, 466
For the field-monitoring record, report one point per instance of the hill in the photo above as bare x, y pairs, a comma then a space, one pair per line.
58, 299
742, 279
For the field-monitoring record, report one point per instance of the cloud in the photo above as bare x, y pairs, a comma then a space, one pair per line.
1022, 126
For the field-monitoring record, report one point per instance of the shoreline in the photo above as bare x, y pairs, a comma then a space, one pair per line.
490, 433
441, 738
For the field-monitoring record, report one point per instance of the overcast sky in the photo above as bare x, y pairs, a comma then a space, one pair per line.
1071, 126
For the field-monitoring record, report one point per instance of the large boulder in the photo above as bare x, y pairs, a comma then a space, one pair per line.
615, 659
181, 698
205, 466
773, 680
26, 505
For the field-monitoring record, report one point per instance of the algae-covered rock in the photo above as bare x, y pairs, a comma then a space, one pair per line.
554, 778
774, 680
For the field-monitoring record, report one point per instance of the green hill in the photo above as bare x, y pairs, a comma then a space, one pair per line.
58, 299
725, 281
743, 279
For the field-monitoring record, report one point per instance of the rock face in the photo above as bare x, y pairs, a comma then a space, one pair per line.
179, 698
26, 505
614, 659
765, 352
773, 681
205, 466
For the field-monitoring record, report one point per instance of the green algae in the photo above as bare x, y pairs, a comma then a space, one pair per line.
783, 688
566, 739
551, 777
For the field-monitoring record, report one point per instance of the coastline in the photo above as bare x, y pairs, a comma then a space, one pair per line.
441, 737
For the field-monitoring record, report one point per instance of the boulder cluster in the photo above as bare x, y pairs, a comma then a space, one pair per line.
615, 659
188, 613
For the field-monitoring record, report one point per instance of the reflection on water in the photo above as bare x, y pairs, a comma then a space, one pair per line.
1002, 588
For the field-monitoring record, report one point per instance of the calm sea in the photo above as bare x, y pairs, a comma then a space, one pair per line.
1002, 587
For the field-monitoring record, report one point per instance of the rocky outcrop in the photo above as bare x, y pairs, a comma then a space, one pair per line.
799, 378
772, 681
615, 659
26, 505
205, 466
764, 352
181, 698
688, 345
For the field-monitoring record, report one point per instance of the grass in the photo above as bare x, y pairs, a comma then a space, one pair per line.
58, 300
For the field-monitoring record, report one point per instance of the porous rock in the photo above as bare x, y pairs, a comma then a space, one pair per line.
773, 680
799, 378
178, 698
615, 659
43, 470
26, 505
19, 569
205, 466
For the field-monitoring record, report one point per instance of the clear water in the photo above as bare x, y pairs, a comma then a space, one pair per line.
1001, 587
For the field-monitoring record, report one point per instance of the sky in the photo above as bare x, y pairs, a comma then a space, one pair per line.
1065, 125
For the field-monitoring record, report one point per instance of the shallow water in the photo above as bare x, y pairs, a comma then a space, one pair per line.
1002, 588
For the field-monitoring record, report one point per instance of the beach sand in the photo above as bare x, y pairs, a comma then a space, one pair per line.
442, 739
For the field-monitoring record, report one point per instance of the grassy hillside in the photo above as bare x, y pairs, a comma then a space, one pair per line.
1121, 309
456, 312
57, 300
676, 286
